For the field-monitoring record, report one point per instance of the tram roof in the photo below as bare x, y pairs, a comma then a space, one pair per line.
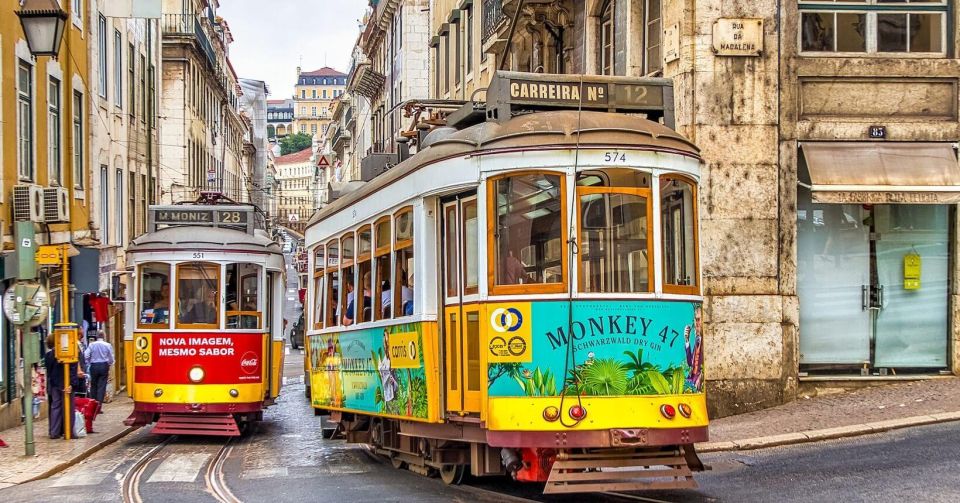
187, 237
529, 132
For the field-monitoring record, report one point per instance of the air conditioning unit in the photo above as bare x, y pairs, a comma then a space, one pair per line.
27, 203
56, 204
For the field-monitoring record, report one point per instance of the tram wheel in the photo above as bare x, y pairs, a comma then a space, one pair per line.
452, 475
398, 463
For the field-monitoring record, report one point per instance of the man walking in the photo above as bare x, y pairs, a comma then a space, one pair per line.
55, 389
99, 355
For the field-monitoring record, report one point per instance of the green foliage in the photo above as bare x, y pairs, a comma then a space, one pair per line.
498, 370
295, 143
537, 383
271, 131
605, 376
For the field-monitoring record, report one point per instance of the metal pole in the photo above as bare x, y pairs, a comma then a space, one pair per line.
65, 318
29, 448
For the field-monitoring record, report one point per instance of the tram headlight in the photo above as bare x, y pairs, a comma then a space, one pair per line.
234, 393
196, 374
157, 392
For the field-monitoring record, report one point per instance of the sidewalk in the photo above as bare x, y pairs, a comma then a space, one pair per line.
869, 410
55, 455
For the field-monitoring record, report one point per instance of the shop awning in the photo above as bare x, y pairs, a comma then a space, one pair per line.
881, 173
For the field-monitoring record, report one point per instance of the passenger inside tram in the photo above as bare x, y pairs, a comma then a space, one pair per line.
347, 318
204, 311
385, 302
366, 307
155, 294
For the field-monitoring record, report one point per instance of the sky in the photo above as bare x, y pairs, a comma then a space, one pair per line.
271, 37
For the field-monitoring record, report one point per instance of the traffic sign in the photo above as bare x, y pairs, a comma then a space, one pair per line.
324, 161
26, 304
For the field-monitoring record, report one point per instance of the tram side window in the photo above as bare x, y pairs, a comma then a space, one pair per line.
154, 295
382, 263
198, 301
332, 297
403, 280
319, 263
678, 225
347, 312
529, 227
243, 286
365, 312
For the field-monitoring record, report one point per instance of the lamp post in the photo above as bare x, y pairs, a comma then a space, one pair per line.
43, 22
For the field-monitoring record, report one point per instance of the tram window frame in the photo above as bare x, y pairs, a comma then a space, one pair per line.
581, 270
241, 298
382, 267
668, 286
348, 275
471, 244
319, 288
219, 272
451, 244
140, 285
332, 288
492, 234
364, 269
403, 250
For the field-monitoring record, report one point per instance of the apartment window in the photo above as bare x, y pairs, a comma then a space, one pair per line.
436, 71
458, 71
468, 38
102, 45
606, 39
53, 133
152, 91
132, 205
303, 110
118, 194
118, 68
25, 119
78, 139
446, 64
314, 94
313, 111
143, 89
324, 94
653, 58
313, 129
131, 78
303, 128
105, 206
303, 94
875, 27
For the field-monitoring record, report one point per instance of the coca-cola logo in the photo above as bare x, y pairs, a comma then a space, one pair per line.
249, 362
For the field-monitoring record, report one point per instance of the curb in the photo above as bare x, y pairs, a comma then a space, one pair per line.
81, 456
827, 433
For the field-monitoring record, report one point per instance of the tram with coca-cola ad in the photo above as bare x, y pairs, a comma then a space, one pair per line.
204, 340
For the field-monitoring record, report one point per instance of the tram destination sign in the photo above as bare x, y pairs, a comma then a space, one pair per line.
510, 93
236, 217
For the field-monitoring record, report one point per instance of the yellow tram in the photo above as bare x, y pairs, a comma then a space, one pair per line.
204, 342
522, 296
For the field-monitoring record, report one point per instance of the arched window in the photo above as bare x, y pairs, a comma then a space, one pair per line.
607, 45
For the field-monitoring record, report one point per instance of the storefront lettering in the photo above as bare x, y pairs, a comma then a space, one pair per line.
886, 197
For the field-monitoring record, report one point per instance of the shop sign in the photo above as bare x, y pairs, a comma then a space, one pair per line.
738, 37
591, 94
885, 197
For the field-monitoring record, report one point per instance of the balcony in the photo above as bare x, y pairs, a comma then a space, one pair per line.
183, 25
493, 18
366, 81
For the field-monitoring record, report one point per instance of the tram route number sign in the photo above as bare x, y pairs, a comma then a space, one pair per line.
201, 217
142, 351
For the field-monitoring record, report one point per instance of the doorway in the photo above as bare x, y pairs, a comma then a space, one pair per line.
461, 309
873, 286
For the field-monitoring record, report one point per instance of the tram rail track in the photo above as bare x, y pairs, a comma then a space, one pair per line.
214, 478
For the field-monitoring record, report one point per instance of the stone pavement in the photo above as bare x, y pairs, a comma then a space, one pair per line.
53, 456
859, 412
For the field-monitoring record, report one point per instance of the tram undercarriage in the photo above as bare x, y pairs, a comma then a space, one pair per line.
452, 450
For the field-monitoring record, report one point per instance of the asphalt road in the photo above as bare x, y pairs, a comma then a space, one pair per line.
286, 459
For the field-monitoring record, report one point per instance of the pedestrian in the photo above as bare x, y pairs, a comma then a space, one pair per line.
55, 390
100, 356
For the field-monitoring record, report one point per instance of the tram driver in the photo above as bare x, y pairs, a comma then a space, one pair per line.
205, 310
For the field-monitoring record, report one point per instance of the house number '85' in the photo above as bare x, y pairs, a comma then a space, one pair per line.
614, 157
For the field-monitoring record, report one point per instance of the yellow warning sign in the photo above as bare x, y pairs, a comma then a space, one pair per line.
142, 352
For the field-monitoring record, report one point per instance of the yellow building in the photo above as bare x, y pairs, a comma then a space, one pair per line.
44, 149
315, 92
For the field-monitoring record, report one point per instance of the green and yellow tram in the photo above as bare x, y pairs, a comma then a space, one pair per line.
520, 297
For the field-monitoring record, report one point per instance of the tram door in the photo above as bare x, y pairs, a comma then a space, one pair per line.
460, 249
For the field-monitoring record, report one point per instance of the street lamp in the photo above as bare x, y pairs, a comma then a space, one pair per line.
42, 22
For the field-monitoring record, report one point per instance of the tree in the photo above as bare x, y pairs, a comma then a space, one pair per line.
295, 143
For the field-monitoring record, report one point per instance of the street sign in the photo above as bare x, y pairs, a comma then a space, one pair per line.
324, 161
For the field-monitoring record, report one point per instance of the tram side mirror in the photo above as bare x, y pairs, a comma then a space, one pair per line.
118, 285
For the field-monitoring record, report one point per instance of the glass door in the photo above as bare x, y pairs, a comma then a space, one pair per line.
912, 262
461, 313
833, 282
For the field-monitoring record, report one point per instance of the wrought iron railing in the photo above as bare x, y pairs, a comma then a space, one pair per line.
492, 17
184, 24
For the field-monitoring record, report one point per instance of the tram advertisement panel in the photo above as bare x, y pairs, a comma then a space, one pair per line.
226, 358
378, 370
605, 348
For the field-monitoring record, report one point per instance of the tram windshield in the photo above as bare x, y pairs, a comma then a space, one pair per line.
242, 296
198, 303
528, 238
678, 223
154, 295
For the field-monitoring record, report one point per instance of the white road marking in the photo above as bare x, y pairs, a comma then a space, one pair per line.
180, 468
80, 477
265, 473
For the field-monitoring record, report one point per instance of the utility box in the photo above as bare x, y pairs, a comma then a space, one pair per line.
65, 342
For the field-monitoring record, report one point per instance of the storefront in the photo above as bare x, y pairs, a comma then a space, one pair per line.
874, 256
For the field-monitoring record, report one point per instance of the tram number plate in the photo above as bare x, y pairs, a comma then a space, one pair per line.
232, 217
614, 157
142, 353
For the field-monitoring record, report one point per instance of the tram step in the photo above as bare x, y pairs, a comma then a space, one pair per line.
196, 424
628, 471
